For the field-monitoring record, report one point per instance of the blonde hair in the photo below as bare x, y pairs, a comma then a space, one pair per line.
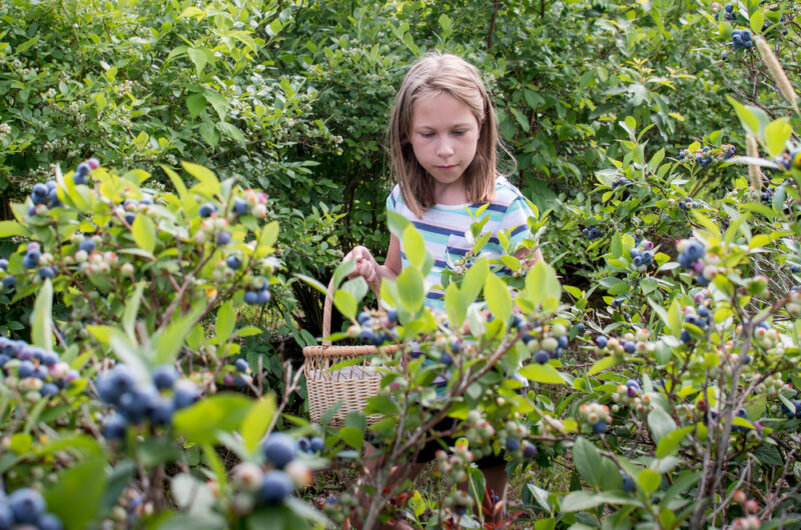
452, 75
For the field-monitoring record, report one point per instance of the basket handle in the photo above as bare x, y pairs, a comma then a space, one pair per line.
329, 301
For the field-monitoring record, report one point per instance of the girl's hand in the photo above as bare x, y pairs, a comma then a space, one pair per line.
366, 266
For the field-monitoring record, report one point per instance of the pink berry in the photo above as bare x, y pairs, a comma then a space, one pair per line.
93, 162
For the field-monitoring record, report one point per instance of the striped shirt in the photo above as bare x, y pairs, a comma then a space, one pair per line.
443, 228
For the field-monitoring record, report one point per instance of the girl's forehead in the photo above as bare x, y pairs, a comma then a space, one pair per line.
440, 105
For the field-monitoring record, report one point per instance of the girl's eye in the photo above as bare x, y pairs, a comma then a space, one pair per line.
427, 134
459, 132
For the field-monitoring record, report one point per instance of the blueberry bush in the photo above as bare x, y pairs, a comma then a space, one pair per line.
645, 375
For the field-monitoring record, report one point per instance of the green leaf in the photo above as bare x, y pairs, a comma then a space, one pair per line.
410, 289
542, 373
199, 58
226, 320
397, 224
13, 228
474, 280
206, 177
78, 494
255, 424
42, 317
675, 317
777, 133
499, 301
221, 412
757, 21
195, 103
169, 341
602, 364
649, 480
345, 304
144, 233
414, 246
670, 441
131, 310
177, 183
588, 461
542, 283
269, 234
577, 501
660, 423
352, 436
455, 306
747, 118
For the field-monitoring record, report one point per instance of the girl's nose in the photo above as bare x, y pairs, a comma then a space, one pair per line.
444, 148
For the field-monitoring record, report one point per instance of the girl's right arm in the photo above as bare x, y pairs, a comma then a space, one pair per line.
369, 269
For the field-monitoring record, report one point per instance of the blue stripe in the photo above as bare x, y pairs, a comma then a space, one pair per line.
519, 229
436, 229
457, 251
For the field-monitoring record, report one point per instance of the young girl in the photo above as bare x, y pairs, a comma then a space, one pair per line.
443, 141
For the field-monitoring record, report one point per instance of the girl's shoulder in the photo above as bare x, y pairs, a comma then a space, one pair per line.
506, 193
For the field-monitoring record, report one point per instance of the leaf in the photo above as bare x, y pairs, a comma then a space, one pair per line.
144, 233
660, 423
602, 364
176, 182
777, 133
670, 441
474, 280
352, 436
499, 301
541, 283
649, 480
226, 321
269, 234
542, 373
747, 118
13, 228
204, 175
221, 412
757, 21
455, 306
131, 311
675, 317
195, 103
168, 341
345, 303
410, 289
414, 246
42, 317
588, 461
78, 494
199, 58
577, 501
255, 424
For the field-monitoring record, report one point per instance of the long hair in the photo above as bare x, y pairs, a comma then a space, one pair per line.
452, 75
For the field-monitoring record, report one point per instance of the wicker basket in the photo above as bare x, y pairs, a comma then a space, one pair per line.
351, 385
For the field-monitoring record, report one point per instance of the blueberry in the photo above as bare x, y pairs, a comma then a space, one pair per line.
275, 487
363, 318
304, 444
165, 376
135, 404
251, 297
632, 392
512, 444
263, 296
240, 206
601, 341
186, 394
279, 449
50, 521
207, 209
25, 369
27, 505
685, 336
223, 238
160, 411
392, 316
6, 517
241, 365
580, 327
529, 450
31, 258
87, 245
3, 264
628, 483
4, 359
446, 359
40, 190
115, 427
599, 427
542, 357
49, 389
729, 8
233, 262
694, 250
9, 282
316, 444
367, 335
46, 272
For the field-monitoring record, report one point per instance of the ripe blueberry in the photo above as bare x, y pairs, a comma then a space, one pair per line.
207, 209
542, 357
27, 505
87, 245
165, 376
223, 238
9, 282
279, 449
233, 262
275, 487
186, 394
599, 427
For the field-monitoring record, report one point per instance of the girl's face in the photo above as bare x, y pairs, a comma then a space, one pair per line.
444, 137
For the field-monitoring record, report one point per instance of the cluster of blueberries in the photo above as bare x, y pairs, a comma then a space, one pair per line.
33, 254
642, 257
766, 195
241, 379
37, 363
741, 39
786, 160
789, 413
592, 232
9, 280
629, 346
701, 319
690, 258
26, 508
549, 346
280, 449
135, 400
377, 330
706, 156
687, 204
240, 207
728, 13
130, 206
44, 193
596, 415
258, 296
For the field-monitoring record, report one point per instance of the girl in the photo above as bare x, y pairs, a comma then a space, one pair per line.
443, 146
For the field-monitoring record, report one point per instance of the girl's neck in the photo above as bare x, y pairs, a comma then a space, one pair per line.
449, 194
